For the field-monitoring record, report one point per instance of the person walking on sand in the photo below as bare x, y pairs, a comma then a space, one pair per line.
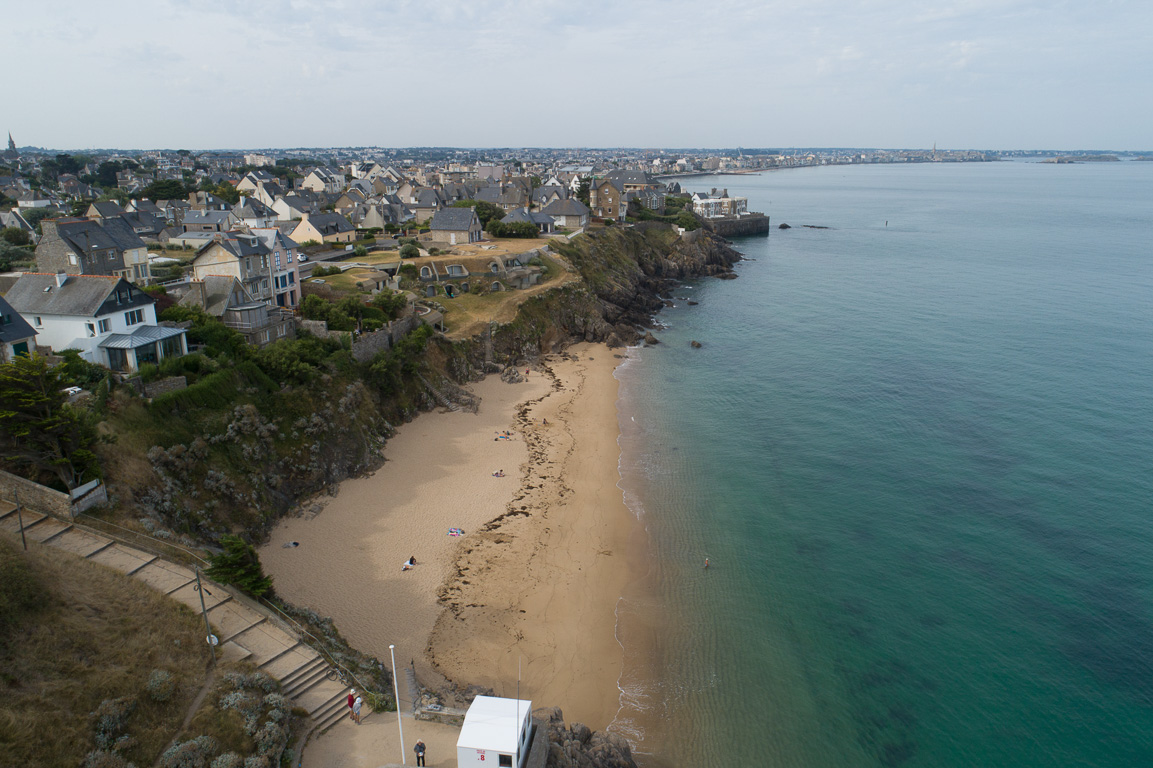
706, 563
356, 705
419, 750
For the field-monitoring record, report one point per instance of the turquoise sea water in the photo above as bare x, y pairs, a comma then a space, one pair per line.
920, 459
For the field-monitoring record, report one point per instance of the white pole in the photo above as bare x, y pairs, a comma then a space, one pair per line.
396, 692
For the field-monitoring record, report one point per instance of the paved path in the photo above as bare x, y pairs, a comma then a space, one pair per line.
246, 631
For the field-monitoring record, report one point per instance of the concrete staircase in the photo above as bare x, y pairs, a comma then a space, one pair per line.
246, 630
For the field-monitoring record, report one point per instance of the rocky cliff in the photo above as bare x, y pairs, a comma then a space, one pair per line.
577, 746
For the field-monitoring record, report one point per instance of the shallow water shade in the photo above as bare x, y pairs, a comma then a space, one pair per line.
919, 459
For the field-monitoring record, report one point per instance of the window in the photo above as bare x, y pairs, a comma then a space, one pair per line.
134, 317
105, 325
292, 278
504, 761
72, 259
91, 328
39, 323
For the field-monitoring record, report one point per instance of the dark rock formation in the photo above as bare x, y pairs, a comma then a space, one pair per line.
651, 340
693, 303
695, 344
784, 226
579, 747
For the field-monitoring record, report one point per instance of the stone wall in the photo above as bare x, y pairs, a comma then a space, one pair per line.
35, 497
365, 346
726, 226
171, 384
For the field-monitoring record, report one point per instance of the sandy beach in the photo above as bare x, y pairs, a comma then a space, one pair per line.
536, 576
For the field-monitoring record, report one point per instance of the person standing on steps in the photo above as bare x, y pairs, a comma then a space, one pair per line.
419, 750
351, 701
356, 705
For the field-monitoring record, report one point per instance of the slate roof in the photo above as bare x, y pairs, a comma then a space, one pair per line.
454, 219
84, 295
108, 209
214, 294
13, 327
239, 244
251, 208
216, 218
568, 207
330, 223
530, 217
122, 233
84, 236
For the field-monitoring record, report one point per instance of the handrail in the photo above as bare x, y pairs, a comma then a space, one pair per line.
298, 628
96, 529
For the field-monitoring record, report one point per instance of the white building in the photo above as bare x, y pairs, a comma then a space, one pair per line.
496, 733
107, 319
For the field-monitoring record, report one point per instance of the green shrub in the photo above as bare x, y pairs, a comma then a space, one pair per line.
239, 565
409, 251
161, 685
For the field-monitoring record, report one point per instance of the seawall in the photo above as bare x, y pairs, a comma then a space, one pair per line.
739, 226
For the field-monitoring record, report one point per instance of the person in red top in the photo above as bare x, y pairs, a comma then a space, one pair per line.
351, 701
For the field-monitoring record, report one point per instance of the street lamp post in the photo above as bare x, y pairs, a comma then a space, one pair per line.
396, 693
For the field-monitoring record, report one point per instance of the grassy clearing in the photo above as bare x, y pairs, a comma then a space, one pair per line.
91, 635
467, 315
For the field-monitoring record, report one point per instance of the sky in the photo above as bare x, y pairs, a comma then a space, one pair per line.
214, 74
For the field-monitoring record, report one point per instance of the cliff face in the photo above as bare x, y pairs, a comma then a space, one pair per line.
625, 272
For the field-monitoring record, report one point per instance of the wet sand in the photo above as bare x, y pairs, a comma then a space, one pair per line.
536, 577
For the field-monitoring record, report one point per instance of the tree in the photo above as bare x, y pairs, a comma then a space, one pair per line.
165, 189
409, 251
16, 235
360, 251
239, 564
35, 215
39, 431
583, 191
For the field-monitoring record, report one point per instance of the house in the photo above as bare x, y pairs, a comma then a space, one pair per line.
241, 255
455, 225
324, 228
206, 201
107, 319
715, 204
79, 247
224, 297
208, 221
107, 209
496, 732
381, 215
267, 192
285, 267
365, 170
253, 180
542, 221
252, 213
16, 219
133, 249
607, 200
351, 198
292, 207
543, 195
323, 180
17, 337
426, 202
568, 213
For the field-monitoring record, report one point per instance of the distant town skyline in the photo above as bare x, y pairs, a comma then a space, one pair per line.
205, 74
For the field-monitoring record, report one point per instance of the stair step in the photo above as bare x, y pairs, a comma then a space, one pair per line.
306, 682
302, 672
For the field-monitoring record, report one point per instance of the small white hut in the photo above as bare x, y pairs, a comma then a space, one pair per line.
496, 733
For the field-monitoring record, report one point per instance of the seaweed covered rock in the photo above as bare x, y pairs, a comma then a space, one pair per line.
578, 746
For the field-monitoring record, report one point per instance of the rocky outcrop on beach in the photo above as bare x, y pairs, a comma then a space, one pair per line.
577, 746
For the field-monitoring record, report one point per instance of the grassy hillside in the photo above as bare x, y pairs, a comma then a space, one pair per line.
79, 644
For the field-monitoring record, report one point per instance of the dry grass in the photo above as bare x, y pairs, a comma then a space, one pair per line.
469, 313
97, 635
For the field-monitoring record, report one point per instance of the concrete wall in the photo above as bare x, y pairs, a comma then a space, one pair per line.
753, 224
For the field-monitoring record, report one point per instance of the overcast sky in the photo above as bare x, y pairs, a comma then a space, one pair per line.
201, 74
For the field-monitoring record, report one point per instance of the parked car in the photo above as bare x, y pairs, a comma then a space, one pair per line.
302, 257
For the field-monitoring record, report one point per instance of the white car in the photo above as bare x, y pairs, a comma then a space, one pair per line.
72, 390
302, 257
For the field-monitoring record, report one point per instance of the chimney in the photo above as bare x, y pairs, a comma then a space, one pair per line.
61, 279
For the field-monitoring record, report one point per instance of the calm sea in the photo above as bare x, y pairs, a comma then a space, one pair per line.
917, 448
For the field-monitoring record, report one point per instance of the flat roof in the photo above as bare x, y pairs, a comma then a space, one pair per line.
491, 724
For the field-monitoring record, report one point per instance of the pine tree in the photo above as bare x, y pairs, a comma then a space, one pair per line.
239, 564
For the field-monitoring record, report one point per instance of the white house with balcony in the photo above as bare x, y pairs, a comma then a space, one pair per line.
108, 320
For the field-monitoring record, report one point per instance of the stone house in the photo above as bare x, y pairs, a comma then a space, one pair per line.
107, 319
455, 225
607, 200
285, 265
80, 247
543, 222
208, 221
